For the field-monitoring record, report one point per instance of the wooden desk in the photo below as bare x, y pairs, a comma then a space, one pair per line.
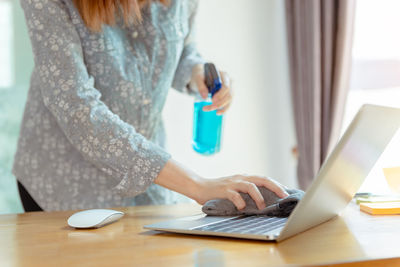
44, 239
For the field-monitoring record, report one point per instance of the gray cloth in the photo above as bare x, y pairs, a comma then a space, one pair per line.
275, 206
92, 132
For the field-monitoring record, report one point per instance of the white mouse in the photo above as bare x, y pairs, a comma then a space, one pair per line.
94, 218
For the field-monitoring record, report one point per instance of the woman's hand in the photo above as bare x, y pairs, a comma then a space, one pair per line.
222, 99
182, 180
229, 188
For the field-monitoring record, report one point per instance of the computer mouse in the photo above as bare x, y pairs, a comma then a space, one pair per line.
94, 218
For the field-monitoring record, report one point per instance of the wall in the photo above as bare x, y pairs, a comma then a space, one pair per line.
248, 40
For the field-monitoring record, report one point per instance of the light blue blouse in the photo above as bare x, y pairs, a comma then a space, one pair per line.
92, 133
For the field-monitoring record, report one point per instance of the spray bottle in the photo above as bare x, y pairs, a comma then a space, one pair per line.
207, 125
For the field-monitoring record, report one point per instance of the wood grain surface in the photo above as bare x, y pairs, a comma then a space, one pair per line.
45, 239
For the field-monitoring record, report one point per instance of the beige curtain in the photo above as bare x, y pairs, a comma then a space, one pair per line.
319, 41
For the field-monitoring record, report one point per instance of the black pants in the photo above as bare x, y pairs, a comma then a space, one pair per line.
27, 201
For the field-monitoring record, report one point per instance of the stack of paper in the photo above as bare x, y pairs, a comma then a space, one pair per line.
381, 208
377, 199
383, 204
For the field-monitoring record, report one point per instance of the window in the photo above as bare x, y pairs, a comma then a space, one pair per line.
12, 95
6, 36
375, 74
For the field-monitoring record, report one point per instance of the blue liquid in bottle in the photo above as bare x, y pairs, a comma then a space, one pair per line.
207, 128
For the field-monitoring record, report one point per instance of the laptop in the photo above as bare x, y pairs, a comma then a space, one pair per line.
338, 180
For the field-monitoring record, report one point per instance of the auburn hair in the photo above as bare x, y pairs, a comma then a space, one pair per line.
95, 13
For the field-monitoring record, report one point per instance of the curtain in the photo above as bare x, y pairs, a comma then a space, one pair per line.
320, 34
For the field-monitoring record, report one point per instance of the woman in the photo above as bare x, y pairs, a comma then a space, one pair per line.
92, 133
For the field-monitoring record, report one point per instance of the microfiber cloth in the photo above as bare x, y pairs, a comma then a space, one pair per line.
275, 206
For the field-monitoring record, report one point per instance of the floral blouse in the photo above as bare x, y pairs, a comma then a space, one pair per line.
92, 133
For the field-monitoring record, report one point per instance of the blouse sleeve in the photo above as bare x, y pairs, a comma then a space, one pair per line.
190, 55
68, 91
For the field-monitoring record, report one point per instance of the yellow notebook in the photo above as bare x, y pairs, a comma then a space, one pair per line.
381, 208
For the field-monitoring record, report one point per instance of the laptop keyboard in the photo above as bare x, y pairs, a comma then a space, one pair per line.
256, 225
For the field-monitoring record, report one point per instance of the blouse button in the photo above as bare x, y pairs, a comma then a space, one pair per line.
135, 34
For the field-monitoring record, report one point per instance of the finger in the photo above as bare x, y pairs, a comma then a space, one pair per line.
217, 98
269, 184
221, 94
281, 185
219, 104
252, 190
227, 82
223, 110
223, 102
201, 86
236, 199
276, 188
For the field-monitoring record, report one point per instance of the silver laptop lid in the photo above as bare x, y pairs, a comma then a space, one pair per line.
345, 169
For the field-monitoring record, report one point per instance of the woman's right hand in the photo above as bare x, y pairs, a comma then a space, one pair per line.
182, 180
229, 188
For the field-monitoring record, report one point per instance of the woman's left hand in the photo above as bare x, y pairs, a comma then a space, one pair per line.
222, 100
